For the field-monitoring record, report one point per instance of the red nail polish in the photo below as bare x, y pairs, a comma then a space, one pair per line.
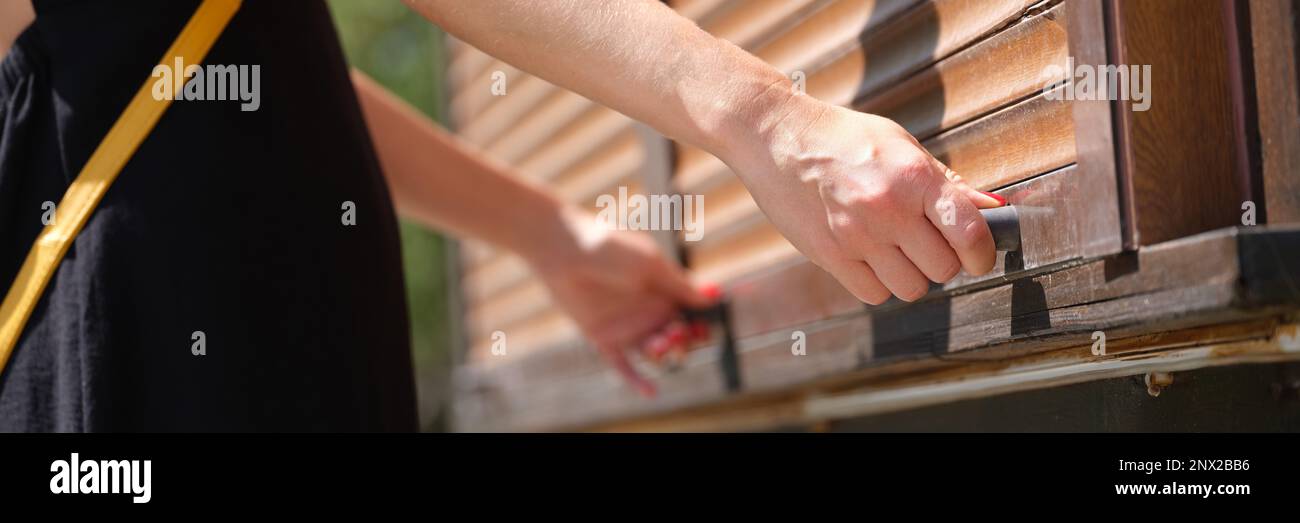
677, 336
1001, 200
699, 331
711, 291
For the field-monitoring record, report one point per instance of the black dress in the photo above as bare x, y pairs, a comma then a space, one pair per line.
224, 221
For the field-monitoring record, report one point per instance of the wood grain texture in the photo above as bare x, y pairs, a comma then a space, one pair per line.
1181, 155
1095, 141
1276, 41
989, 75
1031, 137
1191, 283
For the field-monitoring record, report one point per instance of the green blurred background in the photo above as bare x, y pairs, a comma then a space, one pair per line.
407, 54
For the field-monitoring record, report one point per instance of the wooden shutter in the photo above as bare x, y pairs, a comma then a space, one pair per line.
980, 84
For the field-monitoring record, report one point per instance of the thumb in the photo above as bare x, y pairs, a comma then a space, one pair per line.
669, 278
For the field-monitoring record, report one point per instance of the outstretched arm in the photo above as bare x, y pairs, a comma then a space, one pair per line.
854, 192
617, 286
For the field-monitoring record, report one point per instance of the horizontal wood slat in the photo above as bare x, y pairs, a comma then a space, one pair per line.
467, 66
1195, 282
1004, 68
466, 104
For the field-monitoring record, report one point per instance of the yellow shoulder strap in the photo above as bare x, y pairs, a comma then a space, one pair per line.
101, 169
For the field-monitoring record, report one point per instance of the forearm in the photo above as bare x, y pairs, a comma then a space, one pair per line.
440, 182
636, 56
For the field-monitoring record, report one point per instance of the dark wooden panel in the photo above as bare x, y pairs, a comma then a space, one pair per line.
1182, 157
1239, 398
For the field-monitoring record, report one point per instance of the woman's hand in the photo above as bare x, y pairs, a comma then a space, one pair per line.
863, 200
621, 290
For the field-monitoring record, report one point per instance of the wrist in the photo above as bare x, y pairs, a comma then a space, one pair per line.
764, 124
556, 242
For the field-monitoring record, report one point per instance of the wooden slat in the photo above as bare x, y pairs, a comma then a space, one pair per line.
923, 35
554, 113
1032, 137
467, 66
615, 164
469, 102
943, 398
494, 275
980, 79
1199, 281
747, 22
523, 97
576, 143
743, 254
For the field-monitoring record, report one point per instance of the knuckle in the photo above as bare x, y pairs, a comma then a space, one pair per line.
970, 234
871, 294
877, 297
913, 291
950, 271
918, 170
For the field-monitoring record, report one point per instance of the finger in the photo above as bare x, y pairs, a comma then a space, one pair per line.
655, 347
981, 199
898, 273
930, 252
699, 330
619, 361
670, 279
678, 334
955, 216
860, 280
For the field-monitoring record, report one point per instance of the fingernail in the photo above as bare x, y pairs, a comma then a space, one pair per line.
1001, 200
677, 336
711, 290
657, 347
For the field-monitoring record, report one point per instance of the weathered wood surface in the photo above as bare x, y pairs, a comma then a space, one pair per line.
1275, 26
1181, 156
1215, 278
890, 398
